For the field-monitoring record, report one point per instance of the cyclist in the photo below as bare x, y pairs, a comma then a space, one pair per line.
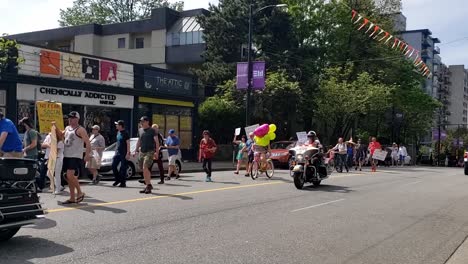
262, 151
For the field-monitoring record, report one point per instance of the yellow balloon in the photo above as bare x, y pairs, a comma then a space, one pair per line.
272, 135
272, 128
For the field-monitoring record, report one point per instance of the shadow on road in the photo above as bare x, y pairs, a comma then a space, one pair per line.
22, 249
328, 188
45, 223
92, 208
214, 181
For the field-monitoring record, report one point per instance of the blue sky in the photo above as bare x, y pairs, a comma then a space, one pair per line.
444, 18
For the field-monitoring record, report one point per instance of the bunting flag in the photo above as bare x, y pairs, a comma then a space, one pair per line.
375, 32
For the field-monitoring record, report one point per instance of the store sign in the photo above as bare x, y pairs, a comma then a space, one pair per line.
168, 83
55, 64
28, 92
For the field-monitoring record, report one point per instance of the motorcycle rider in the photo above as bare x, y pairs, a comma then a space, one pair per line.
312, 140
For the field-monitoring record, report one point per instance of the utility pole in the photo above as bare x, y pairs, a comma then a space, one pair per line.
249, 68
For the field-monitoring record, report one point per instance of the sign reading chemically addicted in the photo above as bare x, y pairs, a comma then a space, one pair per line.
28, 92
49, 63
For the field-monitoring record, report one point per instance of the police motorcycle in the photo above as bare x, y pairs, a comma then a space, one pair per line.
308, 165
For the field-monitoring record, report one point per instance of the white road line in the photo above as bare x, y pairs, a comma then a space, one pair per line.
317, 205
411, 183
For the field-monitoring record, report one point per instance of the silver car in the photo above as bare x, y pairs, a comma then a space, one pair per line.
133, 166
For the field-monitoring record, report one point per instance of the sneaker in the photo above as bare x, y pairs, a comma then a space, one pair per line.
115, 183
123, 185
62, 188
161, 182
177, 176
247, 175
57, 192
98, 179
141, 181
94, 182
168, 178
208, 179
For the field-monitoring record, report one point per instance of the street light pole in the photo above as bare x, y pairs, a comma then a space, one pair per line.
249, 67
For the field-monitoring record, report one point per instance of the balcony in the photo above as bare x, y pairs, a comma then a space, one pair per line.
425, 43
436, 50
425, 54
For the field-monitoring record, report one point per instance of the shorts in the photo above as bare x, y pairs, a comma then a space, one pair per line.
172, 160
251, 157
146, 159
93, 164
260, 149
402, 158
73, 164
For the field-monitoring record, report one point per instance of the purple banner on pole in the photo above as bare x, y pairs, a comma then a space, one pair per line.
435, 134
258, 75
242, 78
458, 142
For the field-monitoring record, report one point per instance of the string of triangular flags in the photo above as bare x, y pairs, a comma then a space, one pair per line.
376, 32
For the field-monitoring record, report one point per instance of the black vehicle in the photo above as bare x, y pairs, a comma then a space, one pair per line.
308, 165
19, 202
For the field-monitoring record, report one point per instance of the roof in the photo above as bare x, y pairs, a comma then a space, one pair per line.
161, 18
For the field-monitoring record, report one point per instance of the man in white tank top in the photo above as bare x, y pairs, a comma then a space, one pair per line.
75, 139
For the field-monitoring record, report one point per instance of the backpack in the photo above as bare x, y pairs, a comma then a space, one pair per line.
161, 140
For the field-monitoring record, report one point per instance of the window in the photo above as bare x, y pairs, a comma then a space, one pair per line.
121, 43
176, 39
183, 38
189, 38
139, 43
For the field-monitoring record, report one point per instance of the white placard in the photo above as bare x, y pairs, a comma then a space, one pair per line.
250, 129
71, 96
301, 137
237, 131
379, 155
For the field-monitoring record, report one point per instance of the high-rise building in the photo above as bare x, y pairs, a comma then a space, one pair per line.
457, 81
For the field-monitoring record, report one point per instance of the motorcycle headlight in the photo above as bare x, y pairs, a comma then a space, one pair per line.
299, 158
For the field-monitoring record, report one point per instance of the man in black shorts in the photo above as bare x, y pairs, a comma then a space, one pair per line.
250, 142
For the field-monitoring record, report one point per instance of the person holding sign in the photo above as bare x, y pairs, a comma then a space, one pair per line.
241, 151
373, 146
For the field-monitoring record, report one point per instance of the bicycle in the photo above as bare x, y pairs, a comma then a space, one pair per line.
256, 168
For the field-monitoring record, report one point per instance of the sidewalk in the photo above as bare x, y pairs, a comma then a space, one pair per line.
190, 166
461, 255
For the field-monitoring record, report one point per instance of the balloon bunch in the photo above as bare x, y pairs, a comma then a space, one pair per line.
264, 134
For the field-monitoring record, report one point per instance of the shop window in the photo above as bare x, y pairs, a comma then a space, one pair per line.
139, 43
121, 43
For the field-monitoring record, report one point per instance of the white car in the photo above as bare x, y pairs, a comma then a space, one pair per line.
133, 166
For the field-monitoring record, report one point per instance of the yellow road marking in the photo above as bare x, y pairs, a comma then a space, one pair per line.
159, 197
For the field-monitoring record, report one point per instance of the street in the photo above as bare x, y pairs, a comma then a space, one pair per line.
397, 215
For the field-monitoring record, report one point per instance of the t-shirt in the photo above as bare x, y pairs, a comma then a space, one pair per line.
29, 136
206, 145
249, 144
98, 142
373, 146
122, 137
172, 141
13, 141
147, 140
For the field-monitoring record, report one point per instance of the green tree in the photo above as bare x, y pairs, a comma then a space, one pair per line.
226, 30
8, 55
111, 11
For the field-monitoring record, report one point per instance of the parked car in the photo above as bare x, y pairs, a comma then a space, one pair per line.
133, 166
280, 152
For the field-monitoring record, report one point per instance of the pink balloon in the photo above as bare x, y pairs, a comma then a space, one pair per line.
262, 130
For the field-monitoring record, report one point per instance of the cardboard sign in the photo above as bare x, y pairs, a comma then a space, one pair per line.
379, 155
237, 131
301, 137
250, 129
48, 112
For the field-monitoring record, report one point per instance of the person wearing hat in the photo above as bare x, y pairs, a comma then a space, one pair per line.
75, 138
206, 153
98, 144
146, 146
172, 145
122, 154
30, 139
350, 152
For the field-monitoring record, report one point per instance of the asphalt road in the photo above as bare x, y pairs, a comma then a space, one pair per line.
402, 215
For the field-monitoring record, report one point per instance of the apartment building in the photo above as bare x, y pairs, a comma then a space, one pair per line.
423, 41
458, 97
168, 39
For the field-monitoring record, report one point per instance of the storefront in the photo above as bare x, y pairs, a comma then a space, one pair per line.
96, 108
100, 90
170, 100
